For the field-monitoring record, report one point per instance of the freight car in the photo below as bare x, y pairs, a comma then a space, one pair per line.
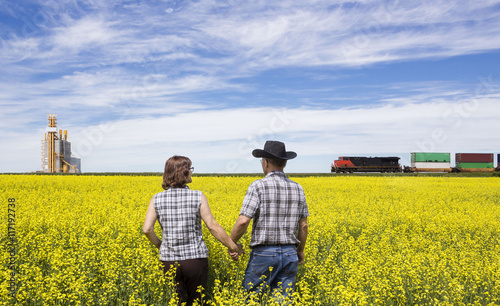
429, 162
474, 162
366, 164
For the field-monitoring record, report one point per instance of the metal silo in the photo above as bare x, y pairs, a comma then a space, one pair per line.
56, 150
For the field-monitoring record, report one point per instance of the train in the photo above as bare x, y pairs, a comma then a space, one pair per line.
347, 164
420, 162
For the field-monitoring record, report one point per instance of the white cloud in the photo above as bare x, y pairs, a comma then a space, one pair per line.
239, 38
84, 33
369, 33
231, 134
226, 137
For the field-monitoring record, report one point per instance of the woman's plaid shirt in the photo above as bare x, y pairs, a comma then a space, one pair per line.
178, 211
276, 205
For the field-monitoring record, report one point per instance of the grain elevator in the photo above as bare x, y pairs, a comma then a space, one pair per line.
56, 150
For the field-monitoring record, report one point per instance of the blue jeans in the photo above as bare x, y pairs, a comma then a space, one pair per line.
272, 267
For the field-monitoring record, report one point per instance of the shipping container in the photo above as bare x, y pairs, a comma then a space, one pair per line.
431, 167
430, 157
475, 165
474, 157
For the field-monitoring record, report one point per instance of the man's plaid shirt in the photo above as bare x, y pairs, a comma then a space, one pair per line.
178, 211
276, 205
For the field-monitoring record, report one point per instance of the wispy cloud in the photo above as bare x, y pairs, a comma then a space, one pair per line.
84, 34
262, 36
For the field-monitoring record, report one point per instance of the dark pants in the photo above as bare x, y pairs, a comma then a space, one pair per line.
190, 274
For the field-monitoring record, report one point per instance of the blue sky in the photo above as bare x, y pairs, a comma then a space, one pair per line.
137, 82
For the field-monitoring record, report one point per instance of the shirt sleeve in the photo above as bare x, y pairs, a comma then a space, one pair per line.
251, 202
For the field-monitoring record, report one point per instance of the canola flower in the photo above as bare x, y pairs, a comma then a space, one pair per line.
372, 241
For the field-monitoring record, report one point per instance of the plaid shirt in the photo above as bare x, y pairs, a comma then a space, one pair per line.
276, 205
178, 211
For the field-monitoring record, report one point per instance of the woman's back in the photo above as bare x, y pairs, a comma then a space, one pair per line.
178, 211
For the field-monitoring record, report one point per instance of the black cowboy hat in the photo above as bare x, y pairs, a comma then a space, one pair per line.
274, 149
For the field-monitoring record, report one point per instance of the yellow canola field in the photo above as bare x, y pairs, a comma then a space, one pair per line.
372, 241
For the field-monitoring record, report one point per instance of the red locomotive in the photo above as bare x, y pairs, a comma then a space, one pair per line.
366, 164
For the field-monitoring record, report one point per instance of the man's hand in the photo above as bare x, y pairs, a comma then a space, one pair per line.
301, 256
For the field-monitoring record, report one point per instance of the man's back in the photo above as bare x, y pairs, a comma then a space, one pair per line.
276, 205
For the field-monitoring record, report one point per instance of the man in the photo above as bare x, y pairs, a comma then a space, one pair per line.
279, 211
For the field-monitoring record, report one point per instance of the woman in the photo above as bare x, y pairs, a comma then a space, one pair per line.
179, 211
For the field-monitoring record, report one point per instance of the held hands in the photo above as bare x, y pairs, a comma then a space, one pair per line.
235, 253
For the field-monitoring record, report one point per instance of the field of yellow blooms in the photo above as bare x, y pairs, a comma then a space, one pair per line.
372, 241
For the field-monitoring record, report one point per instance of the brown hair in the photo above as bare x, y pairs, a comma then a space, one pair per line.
277, 162
176, 172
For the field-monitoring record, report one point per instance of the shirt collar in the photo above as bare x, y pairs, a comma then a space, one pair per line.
276, 172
